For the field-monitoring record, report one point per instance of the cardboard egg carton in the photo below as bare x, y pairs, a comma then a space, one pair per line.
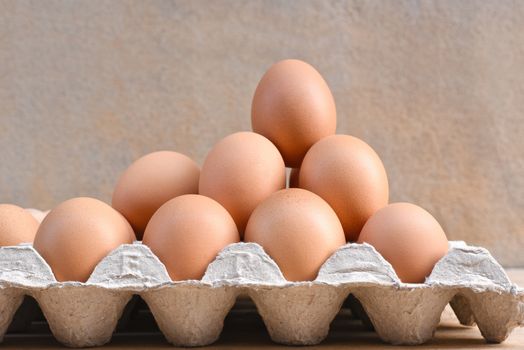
191, 313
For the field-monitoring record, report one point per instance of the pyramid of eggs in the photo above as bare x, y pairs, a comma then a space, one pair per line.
190, 239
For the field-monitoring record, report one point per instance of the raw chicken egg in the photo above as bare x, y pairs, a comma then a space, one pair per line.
16, 225
348, 174
294, 108
408, 237
76, 235
150, 182
187, 233
241, 171
298, 230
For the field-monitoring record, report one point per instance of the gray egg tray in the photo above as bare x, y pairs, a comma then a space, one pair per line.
191, 313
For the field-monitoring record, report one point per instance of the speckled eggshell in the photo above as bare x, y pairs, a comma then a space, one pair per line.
187, 233
294, 108
408, 237
151, 181
240, 172
76, 235
348, 174
16, 225
298, 230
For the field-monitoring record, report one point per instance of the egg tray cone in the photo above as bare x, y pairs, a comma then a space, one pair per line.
191, 313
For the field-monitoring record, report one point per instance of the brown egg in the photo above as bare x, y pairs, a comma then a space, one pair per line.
241, 171
298, 229
408, 237
294, 108
76, 235
293, 177
187, 233
16, 225
348, 174
150, 182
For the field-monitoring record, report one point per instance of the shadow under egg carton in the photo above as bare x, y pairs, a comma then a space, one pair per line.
191, 313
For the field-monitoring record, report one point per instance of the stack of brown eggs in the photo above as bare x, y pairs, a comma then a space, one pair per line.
338, 192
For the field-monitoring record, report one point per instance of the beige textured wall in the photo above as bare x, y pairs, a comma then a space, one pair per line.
437, 87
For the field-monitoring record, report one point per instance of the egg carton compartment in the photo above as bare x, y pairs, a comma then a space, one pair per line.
191, 313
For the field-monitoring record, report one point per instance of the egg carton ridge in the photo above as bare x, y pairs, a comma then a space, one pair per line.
191, 313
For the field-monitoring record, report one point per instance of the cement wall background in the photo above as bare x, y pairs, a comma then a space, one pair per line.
436, 87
